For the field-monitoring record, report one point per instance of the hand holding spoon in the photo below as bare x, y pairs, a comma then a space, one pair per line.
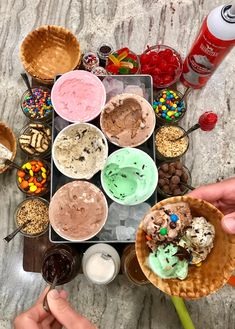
45, 302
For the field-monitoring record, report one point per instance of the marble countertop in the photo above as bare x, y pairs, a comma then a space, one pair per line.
210, 157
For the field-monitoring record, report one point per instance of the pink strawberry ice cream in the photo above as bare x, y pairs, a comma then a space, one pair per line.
78, 96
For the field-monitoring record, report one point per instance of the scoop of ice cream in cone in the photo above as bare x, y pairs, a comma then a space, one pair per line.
193, 262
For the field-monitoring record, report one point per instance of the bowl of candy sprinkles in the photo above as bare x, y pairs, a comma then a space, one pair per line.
37, 107
163, 63
169, 107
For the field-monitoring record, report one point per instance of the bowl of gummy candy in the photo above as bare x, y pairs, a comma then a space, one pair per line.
123, 61
163, 63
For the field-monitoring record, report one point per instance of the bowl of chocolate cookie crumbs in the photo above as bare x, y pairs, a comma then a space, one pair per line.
35, 139
169, 145
33, 210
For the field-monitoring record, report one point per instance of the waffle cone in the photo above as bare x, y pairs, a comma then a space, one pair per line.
7, 138
214, 271
49, 50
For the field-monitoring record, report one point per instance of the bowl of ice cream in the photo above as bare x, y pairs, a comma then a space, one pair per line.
78, 96
127, 120
78, 211
182, 249
7, 145
129, 177
80, 150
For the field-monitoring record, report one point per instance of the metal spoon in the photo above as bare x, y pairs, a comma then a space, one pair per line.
188, 186
45, 302
195, 127
26, 80
187, 91
10, 236
13, 164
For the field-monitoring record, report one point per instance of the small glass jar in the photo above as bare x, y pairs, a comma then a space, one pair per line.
99, 70
101, 264
163, 63
40, 108
104, 50
173, 150
28, 139
34, 178
170, 189
130, 64
168, 107
131, 268
90, 60
37, 211
61, 260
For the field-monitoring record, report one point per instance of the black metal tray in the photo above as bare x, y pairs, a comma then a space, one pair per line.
107, 234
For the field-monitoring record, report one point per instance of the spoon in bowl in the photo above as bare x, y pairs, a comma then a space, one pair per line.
10, 236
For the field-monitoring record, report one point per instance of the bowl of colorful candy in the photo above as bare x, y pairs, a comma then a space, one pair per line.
34, 177
168, 106
123, 61
163, 63
39, 107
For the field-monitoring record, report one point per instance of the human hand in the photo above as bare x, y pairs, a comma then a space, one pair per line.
222, 196
61, 314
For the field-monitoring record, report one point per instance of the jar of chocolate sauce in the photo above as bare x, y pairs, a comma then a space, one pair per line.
104, 50
62, 261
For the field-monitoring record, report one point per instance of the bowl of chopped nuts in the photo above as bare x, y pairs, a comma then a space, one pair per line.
33, 210
170, 143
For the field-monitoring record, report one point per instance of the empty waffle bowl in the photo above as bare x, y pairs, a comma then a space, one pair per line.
49, 50
7, 139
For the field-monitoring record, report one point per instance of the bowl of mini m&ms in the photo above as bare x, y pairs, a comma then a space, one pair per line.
34, 177
37, 107
163, 63
168, 106
123, 61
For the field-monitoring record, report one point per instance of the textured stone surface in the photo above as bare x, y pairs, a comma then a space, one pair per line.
210, 157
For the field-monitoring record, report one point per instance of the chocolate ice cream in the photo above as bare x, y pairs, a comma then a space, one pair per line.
127, 120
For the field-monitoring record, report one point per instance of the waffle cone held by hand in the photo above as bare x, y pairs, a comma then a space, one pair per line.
214, 271
49, 50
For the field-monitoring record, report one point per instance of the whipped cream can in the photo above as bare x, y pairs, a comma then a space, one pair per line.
214, 41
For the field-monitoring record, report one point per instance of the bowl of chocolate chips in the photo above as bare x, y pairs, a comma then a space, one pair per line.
172, 179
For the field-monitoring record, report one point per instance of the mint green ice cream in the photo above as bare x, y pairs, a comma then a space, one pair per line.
130, 176
166, 265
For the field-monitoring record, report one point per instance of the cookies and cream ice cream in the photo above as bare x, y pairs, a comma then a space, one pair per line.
5, 153
198, 239
167, 223
127, 120
166, 264
80, 151
78, 211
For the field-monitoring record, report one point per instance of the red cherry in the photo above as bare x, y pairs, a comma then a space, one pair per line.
155, 60
161, 53
145, 69
173, 60
171, 70
167, 78
144, 58
163, 65
156, 80
168, 53
156, 71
